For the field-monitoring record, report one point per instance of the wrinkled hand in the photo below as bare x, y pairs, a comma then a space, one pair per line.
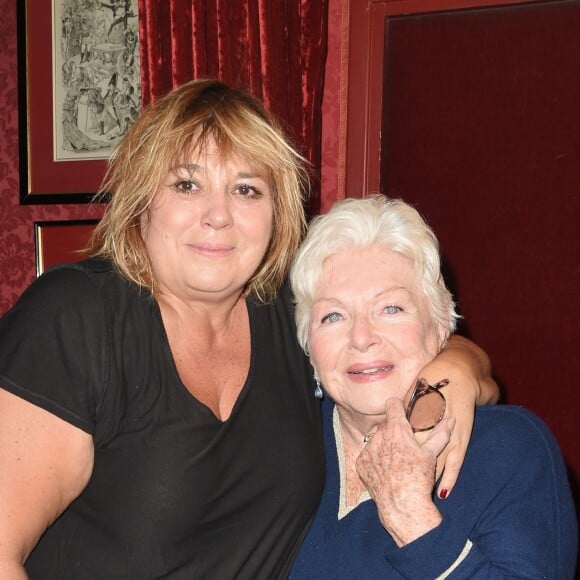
399, 473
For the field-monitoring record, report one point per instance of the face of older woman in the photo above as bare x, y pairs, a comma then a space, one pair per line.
209, 227
371, 331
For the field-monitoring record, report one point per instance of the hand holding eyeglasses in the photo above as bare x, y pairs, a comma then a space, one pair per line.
426, 406
399, 473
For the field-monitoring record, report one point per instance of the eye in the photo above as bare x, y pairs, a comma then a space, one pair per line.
330, 318
392, 309
186, 186
249, 191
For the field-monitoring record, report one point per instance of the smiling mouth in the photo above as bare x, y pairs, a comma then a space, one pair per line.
212, 250
373, 371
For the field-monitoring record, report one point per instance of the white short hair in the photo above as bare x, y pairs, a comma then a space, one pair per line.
374, 220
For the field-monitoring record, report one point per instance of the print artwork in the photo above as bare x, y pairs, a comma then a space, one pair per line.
96, 80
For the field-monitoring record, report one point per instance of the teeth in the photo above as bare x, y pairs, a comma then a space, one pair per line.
372, 371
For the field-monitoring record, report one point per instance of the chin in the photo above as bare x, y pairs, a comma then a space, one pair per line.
373, 408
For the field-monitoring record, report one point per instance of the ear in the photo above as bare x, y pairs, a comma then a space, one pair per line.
315, 372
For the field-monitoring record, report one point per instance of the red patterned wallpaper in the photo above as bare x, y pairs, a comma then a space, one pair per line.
17, 266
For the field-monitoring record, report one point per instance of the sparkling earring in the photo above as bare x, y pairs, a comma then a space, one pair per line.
318, 390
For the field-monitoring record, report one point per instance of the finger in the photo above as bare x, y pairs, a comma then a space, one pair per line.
394, 409
439, 437
395, 416
453, 464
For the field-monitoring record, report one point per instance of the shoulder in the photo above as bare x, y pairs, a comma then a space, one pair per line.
281, 307
70, 295
516, 436
512, 462
501, 420
67, 280
60, 291
87, 279
282, 298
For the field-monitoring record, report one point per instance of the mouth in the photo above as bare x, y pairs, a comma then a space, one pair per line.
373, 370
212, 250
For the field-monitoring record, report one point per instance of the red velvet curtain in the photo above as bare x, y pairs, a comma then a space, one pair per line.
275, 49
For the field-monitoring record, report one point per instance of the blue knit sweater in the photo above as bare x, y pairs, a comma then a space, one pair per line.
511, 514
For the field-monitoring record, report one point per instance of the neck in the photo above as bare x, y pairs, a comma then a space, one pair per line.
349, 448
355, 427
216, 315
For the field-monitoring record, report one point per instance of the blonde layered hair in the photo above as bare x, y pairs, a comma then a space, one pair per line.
359, 223
177, 126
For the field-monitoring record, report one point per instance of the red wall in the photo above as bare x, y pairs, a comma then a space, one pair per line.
17, 267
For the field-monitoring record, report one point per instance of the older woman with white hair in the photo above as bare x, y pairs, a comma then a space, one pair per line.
372, 310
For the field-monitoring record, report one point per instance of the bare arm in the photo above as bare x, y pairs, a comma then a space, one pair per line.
45, 463
468, 369
465, 353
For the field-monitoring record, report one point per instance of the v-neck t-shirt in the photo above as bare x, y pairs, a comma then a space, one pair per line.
175, 493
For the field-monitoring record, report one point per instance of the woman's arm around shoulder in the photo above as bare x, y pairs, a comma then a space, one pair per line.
468, 369
45, 463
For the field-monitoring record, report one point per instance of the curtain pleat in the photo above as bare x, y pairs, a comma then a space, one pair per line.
276, 49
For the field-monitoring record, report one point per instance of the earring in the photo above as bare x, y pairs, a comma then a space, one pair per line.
318, 390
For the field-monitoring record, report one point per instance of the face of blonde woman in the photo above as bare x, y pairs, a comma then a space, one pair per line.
371, 331
209, 226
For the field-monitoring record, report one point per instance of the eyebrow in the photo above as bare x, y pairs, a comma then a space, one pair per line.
188, 166
195, 167
379, 295
248, 175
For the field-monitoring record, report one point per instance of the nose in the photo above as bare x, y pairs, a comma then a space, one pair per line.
217, 211
363, 334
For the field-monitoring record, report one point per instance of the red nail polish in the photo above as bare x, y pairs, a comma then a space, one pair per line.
443, 494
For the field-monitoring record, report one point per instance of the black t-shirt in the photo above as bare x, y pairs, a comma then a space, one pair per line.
175, 493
